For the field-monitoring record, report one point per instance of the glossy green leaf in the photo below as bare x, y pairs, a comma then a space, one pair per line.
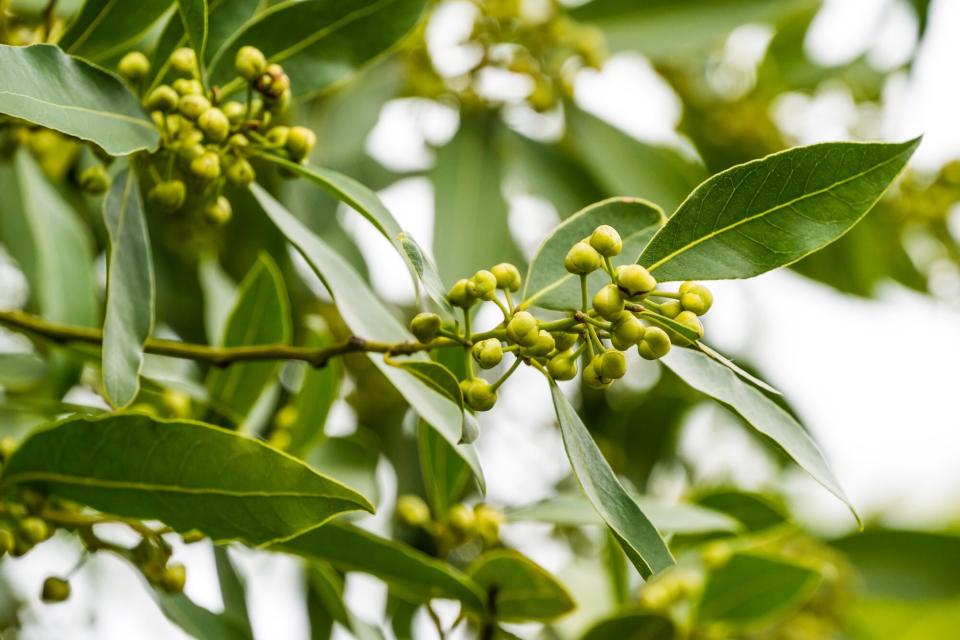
445, 474
260, 316
774, 211
720, 383
18, 369
548, 284
632, 625
730, 364
200, 622
409, 572
521, 590
320, 43
751, 590
625, 166
636, 534
107, 27
350, 459
233, 591
318, 391
43, 85
754, 510
367, 317
186, 474
131, 292
196, 21
437, 377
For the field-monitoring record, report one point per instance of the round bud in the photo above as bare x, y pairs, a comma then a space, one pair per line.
716, 554
34, 529
695, 297
176, 402
462, 294
219, 211
608, 302
214, 124
582, 259
206, 168
543, 346
7, 446
488, 353
481, 396
671, 308
278, 135
485, 284
461, 518
412, 510
286, 418
174, 578
564, 340
7, 541
562, 366
192, 537
238, 141
626, 331
425, 326
655, 344
235, 111
187, 87
55, 590
94, 180
606, 241
183, 60
635, 280
591, 377
522, 329
507, 275
279, 104
612, 365
250, 63
191, 106
241, 173
168, 196
488, 522
134, 66
273, 82
190, 150
690, 320
163, 98
300, 142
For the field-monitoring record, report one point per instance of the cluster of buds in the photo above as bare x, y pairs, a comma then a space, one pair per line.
460, 525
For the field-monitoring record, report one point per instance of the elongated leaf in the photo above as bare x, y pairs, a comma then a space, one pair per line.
326, 593
366, 315
445, 474
196, 21
730, 364
260, 316
756, 511
368, 204
19, 369
633, 625
434, 375
636, 534
233, 591
219, 294
321, 42
408, 571
521, 589
187, 474
350, 459
771, 212
43, 85
550, 285
717, 381
130, 289
318, 391
198, 621
671, 324
106, 27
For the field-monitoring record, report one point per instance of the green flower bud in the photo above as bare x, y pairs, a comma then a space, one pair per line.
488, 353
94, 180
238, 141
219, 211
507, 275
187, 87
55, 590
462, 294
488, 522
481, 396
671, 308
522, 329
272, 82
278, 136
591, 377
134, 66
279, 104
206, 168
461, 518
543, 346
168, 196
690, 320
655, 344
564, 340
608, 302
192, 537
214, 125
174, 578
250, 63
425, 326
192, 106
412, 510
582, 259
7, 541
183, 60
611, 365
626, 331
235, 111
606, 241
163, 98
695, 297
34, 530
562, 366
485, 284
241, 173
300, 142
635, 280
177, 403
7, 446
190, 150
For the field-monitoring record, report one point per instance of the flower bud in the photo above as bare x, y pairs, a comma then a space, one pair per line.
626, 331
591, 377
606, 241
507, 275
278, 135
214, 124
695, 297
94, 180
611, 365
671, 308
250, 63
273, 82
7, 541
563, 366
235, 111
7, 446
564, 340
481, 396
187, 87
206, 168
412, 510
168, 196
635, 280
425, 326
34, 529
582, 259
300, 142
485, 284
192, 106
488, 353
608, 303
55, 590
461, 518
488, 522
190, 150
183, 60
192, 537
522, 329
655, 344
174, 578
241, 173
690, 320
163, 98
134, 66
462, 294
218, 212
543, 346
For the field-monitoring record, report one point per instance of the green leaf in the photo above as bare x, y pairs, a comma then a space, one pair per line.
771, 212
131, 291
636, 534
730, 364
351, 460
367, 317
470, 230
521, 590
196, 21
632, 625
318, 391
751, 590
625, 166
320, 43
437, 377
326, 594
445, 474
409, 572
233, 591
219, 294
105, 28
551, 286
260, 316
21, 369
186, 474
720, 383
198, 621
755, 510
43, 85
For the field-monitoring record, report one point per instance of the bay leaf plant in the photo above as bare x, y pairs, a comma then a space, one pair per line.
160, 138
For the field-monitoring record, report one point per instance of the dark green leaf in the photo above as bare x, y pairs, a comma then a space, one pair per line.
318, 391
131, 292
233, 591
107, 27
774, 211
41, 84
219, 294
326, 587
632, 625
196, 21
445, 474
756, 511
521, 589
187, 474
200, 622
636, 534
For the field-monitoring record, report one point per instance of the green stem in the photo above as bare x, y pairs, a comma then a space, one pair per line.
506, 313
594, 339
584, 293
558, 325
666, 294
468, 359
608, 267
509, 372
509, 298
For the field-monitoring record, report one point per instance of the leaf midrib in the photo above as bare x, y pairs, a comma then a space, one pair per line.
69, 107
